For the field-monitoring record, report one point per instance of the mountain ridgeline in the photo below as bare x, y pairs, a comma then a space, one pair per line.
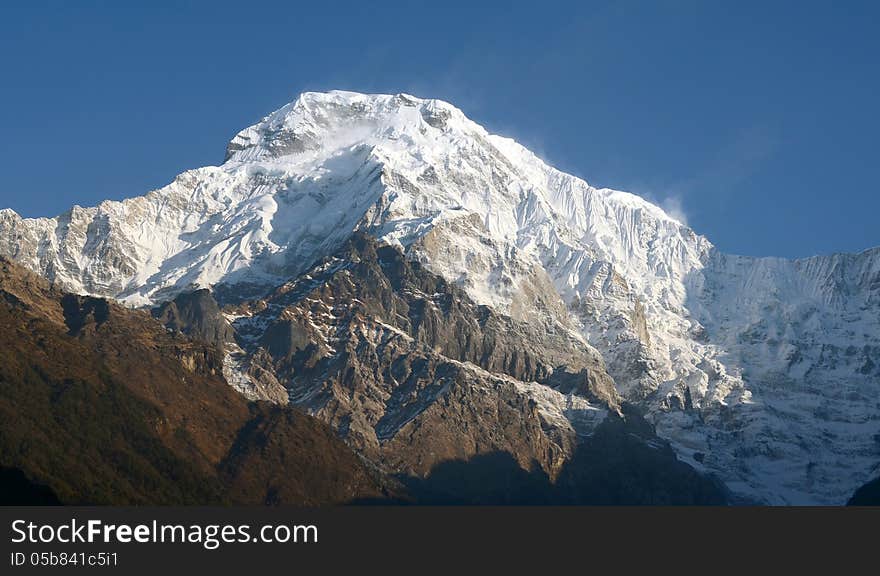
377, 283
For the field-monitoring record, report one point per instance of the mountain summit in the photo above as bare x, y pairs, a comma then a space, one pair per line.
762, 372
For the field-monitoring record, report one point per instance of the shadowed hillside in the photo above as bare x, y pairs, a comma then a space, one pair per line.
867, 495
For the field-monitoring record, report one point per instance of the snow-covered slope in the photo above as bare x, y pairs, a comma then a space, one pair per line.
762, 371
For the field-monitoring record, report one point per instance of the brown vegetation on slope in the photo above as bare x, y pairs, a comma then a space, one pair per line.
103, 405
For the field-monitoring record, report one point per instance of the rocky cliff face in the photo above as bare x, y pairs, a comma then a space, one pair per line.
198, 315
411, 372
759, 370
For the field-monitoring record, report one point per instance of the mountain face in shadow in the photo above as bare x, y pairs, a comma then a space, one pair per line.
493, 479
622, 463
867, 495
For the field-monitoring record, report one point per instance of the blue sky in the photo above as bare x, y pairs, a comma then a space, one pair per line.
759, 121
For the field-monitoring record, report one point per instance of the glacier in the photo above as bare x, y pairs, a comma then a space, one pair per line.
764, 372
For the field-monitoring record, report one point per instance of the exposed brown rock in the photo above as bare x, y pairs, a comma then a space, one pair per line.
410, 371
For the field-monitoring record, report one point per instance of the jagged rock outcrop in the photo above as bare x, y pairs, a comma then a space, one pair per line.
198, 315
411, 372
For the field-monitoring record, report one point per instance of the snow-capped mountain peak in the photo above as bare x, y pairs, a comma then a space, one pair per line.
325, 123
762, 371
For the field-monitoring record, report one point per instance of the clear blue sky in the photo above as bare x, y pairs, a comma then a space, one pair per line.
759, 119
